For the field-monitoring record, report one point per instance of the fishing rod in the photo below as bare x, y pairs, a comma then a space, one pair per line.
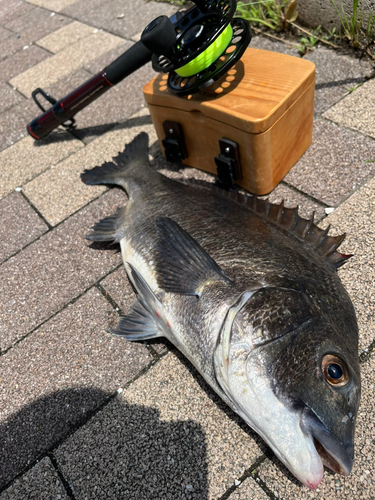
195, 48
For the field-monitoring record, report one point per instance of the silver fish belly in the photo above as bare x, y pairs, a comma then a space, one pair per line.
249, 293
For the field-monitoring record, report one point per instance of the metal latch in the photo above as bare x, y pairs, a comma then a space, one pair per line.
228, 162
174, 142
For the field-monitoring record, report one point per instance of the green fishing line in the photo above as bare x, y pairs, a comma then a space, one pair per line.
208, 56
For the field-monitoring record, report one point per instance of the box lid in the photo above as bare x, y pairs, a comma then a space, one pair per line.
251, 96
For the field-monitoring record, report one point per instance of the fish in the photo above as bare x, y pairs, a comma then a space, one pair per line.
248, 291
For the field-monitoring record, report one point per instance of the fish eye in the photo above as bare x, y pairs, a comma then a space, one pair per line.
335, 370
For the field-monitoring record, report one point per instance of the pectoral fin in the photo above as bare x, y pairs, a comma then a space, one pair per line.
109, 229
182, 265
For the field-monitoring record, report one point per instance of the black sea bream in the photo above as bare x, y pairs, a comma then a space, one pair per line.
249, 293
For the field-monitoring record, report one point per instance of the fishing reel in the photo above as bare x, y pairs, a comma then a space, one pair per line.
195, 48
203, 45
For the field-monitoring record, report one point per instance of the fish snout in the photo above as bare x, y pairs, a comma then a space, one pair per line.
334, 454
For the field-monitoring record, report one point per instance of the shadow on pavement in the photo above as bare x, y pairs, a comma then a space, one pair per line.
81, 133
124, 449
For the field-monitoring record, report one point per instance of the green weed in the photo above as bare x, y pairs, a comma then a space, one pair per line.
360, 36
270, 13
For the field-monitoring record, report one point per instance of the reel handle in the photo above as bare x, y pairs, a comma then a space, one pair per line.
201, 4
159, 36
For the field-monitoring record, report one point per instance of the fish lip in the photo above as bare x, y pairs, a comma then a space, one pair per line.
332, 452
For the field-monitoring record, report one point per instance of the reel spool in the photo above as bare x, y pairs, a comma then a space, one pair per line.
208, 42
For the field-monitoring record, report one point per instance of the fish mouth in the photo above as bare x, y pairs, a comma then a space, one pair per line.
332, 452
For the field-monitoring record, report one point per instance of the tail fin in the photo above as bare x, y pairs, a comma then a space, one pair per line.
135, 156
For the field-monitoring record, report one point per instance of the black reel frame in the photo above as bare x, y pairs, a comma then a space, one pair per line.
195, 32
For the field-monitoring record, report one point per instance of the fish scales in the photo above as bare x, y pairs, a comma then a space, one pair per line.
249, 293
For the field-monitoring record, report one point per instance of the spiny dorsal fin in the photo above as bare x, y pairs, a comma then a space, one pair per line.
287, 218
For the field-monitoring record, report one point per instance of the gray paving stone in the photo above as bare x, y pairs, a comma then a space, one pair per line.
123, 18
10, 43
335, 164
65, 36
357, 110
356, 218
166, 436
266, 43
335, 75
41, 482
52, 271
57, 376
21, 61
26, 159
360, 483
13, 122
12, 9
8, 97
54, 5
20, 225
69, 60
36, 24
4, 33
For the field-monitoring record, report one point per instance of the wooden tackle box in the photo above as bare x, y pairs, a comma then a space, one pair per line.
265, 104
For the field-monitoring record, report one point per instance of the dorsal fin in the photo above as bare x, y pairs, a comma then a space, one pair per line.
287, 218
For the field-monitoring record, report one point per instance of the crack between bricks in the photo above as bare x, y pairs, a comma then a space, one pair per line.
367, 353
72, 18
40, 215
250, 473
340, 125
264, 486
50, 228
306, 195
64, 482
65, 306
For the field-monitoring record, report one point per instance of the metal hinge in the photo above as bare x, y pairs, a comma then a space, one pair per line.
174, 142
228, 162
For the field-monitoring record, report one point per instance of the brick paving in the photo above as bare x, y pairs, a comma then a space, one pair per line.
84, 414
